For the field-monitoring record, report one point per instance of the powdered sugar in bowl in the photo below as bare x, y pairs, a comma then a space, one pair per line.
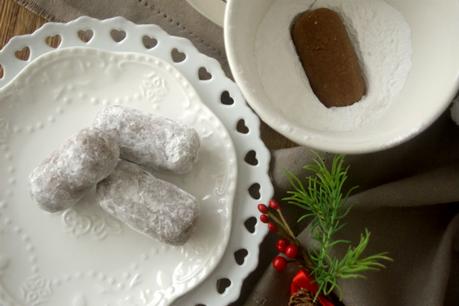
407, 49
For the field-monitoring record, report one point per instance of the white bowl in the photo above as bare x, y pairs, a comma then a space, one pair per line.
430, 86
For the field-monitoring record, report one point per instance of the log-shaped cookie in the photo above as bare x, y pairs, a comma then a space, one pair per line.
328, 57
68, 173
147, 204
150, 141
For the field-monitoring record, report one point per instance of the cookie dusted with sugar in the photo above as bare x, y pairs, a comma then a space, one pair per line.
147, 204
150, 141
68, 173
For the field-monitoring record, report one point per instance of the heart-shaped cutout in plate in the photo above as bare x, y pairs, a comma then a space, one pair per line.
23, 54
149, 42
85, 35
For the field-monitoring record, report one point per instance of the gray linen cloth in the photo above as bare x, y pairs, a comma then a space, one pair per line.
407, 197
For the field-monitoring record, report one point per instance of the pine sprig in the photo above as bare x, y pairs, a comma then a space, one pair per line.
323, 201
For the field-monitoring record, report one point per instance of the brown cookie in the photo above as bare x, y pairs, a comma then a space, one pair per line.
328, 57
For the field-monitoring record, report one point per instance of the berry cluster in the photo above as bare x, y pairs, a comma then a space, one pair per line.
273, 217
264, 217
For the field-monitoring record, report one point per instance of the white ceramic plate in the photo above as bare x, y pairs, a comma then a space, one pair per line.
214, 10
61, 92
429, 88
83, 257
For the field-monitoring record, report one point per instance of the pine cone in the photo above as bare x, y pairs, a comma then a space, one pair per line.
303, 298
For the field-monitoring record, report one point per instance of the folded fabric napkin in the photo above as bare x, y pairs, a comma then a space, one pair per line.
407, 196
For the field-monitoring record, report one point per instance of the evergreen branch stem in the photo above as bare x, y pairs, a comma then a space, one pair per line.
284, 221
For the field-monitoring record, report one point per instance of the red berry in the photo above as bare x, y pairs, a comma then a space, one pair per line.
279, 263
263, 208
281, 245
291, 251
264, 218
272, 227
274, 204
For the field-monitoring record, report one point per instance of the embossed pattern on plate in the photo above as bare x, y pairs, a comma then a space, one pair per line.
84, 254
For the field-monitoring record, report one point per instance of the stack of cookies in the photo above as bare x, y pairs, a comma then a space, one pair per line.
119, 155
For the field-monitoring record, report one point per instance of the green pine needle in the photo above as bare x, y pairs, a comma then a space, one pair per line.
323, 200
